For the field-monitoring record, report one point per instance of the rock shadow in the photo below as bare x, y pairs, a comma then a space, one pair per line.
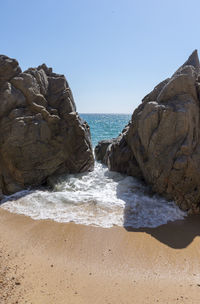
18, 195
177, 234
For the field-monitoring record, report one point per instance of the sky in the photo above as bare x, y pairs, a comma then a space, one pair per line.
112, 52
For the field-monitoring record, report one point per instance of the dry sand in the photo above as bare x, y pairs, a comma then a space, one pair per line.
49, 263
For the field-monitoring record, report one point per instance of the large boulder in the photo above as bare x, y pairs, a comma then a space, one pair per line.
163, 138
41, 134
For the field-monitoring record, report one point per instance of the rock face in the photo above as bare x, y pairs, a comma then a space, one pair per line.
101, 149
41, 133
162, 142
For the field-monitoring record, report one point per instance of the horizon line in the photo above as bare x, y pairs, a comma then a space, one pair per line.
104, 113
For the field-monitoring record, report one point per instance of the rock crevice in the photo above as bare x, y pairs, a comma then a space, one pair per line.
162, 139
41, 133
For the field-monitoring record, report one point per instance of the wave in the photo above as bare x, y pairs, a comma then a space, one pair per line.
99, 198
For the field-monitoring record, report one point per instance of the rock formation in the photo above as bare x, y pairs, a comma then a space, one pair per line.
161, 144
41, 134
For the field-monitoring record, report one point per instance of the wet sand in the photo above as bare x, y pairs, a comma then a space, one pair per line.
51, 263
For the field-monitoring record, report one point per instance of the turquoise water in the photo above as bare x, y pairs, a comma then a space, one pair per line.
105, 126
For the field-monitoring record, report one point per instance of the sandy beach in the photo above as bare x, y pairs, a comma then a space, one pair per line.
48, 262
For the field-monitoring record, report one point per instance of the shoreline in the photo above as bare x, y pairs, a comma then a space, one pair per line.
42, 261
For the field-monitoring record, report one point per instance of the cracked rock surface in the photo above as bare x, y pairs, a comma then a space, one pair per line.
41, 134
161, 144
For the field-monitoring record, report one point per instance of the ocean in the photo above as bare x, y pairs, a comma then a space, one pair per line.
98, 198
105, 126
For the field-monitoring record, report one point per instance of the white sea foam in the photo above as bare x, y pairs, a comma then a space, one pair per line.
99, 198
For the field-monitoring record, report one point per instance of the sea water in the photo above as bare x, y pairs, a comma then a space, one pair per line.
99, 198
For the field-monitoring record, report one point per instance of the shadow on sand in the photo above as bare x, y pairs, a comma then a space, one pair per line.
178, 234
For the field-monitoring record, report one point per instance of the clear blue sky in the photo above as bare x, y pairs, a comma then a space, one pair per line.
112, 52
